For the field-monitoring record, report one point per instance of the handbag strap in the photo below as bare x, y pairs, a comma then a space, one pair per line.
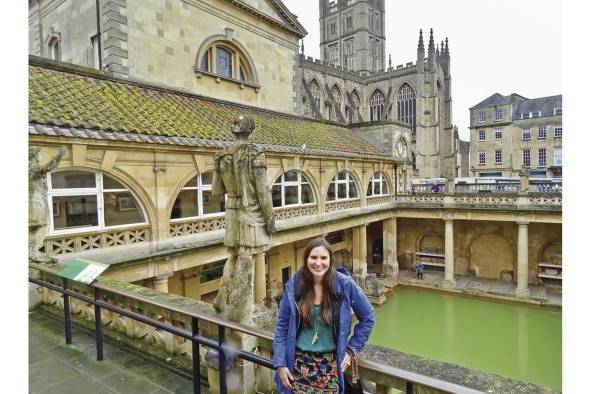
354, 366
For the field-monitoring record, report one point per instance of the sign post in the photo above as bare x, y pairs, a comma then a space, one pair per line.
82, 270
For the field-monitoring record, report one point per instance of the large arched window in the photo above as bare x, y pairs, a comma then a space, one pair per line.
376, 105
377, 185
292, 188
196, 199
315, 90
342, 187
407, 103
225, 59
87, 201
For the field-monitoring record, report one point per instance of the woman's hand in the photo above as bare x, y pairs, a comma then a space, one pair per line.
346, 362
285, 377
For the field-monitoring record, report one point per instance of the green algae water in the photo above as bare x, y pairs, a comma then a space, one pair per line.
515, 341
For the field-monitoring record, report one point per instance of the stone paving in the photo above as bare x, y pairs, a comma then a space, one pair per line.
480, 286
58, 368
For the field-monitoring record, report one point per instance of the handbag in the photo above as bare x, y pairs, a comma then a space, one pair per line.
353, 387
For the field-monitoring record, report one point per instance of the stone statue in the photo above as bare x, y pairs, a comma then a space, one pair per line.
241, 173
38, 208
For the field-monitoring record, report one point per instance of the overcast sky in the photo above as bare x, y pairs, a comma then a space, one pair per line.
504, 46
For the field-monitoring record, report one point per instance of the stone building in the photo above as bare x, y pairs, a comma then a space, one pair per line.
134, 188
219, 48
509, 134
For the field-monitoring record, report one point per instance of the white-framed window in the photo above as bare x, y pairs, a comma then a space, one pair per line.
542, 157
557, 156
290, 189
481, 135
481, 117
225, 59
377, 185
498, 134
526, 154
542, 132
81, 200
481, 158
535, 114
498, 115
526, 135
498, 156
557, 131
196, 200
526, 115
342, 187
558, 111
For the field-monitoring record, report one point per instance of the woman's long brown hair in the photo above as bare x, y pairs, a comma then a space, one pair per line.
306, 301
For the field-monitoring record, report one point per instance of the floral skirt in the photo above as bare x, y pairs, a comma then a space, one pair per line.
315, 373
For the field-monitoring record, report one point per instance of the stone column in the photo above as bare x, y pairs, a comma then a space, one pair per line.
522, 261
160, 282
360, 255
260, 283
390, 238
449, 281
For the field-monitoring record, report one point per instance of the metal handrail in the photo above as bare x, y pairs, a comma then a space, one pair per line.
220, 345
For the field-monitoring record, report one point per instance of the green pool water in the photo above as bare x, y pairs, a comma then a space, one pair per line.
516, 341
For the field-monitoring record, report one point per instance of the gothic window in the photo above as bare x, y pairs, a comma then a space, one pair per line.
292, 188
407, 106
349, 52
315, 90
376, 105
342, 187
196, 199
349, 22
54, 48
336, 93
86, 200
224, 59
333, 54
377, 185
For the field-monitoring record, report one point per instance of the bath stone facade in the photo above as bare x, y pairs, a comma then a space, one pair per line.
510, 134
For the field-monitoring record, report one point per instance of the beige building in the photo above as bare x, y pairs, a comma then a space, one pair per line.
509, 134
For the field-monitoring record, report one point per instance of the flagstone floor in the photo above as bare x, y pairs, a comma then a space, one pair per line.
58, 368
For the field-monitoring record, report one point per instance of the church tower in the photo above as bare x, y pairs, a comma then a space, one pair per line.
352, 34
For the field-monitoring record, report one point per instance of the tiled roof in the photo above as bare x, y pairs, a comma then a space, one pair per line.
75, 100
495, 99
545, 105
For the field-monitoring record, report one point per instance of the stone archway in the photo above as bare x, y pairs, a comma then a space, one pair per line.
492, 256
430, 243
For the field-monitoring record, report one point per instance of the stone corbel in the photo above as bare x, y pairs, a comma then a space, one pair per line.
159, 168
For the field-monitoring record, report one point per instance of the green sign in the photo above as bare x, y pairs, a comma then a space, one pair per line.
81, 270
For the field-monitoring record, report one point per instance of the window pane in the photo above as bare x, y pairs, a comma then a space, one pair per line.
353, 190
74, 211
110, 183
307, 195
341, 176
72, 179
330, 195
291, 195
369, 189
384, 187
276, 195
376, 188
224, 62
206, 178
121, 208
342, 190
291, 176
210, 204
185, 205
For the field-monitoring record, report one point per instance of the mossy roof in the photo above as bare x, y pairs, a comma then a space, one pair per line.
73, 98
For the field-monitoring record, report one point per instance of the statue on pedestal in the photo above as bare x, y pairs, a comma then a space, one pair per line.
241, 173
38, 206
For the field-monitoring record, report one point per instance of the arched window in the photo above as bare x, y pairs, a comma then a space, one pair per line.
53, 47
336, 93
376, 105
377, 185
195, 199
86, 200
315, 90
225, 59
342, 187
352, 113
292, 188
407, 103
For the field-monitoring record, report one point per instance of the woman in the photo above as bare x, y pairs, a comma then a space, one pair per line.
312, 348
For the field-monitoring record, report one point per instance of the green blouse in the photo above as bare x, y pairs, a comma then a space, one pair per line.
324, 343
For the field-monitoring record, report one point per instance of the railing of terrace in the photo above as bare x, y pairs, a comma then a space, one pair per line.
411, 380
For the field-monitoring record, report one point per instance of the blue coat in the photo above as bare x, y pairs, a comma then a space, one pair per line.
350, 297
